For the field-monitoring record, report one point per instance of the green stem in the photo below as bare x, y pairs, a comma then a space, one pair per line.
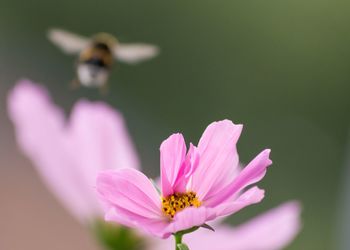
178, 240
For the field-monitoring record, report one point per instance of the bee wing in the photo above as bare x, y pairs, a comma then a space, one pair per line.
70, 43
135, 52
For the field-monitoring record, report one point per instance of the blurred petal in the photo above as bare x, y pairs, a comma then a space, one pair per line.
40, 134
100, 140
272, 230
68, 154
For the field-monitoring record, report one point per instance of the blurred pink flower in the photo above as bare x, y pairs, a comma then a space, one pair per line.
272, 230
68, 153
197, 187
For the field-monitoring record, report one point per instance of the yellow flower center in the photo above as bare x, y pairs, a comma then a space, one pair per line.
179, 201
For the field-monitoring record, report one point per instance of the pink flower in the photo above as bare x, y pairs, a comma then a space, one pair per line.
200, 186
68, 153
272, 230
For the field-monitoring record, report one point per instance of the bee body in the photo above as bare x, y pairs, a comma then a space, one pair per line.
95, 62
97, 54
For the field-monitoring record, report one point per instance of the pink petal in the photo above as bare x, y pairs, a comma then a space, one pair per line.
251, 196
218, 158
272, 230
192, 161
39, 126
252, 173
187, 169
189, 218
157, 228
172, 157
113, 215
132, 195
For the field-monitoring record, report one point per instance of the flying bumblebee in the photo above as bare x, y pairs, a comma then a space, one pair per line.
98, 54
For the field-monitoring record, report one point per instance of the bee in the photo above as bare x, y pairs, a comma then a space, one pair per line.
97, 55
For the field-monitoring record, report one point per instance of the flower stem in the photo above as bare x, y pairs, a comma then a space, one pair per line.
178, 240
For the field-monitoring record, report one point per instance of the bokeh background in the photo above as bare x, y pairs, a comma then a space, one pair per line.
279, 67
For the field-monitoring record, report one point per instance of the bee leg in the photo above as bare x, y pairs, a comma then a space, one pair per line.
75, 84
104, 89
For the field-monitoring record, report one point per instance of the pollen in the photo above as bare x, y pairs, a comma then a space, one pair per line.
179, 201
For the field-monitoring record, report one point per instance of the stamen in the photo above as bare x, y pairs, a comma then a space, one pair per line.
179, 201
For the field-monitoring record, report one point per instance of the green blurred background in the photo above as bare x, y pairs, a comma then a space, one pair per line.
279, 67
